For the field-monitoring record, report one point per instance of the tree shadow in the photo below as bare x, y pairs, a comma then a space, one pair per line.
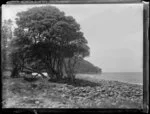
78, 83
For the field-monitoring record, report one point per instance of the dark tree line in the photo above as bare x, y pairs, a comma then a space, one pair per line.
46, 39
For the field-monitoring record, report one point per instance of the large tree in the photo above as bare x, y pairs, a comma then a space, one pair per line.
46, 36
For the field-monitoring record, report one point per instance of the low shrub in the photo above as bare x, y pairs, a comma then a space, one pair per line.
30, 78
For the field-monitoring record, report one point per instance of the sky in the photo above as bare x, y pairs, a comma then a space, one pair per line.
114, 32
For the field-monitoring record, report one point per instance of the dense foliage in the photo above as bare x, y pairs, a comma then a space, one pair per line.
47, 38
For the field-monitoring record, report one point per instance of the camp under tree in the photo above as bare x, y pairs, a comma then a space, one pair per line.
47, 40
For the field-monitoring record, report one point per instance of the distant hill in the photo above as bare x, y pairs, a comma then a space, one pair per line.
84, 66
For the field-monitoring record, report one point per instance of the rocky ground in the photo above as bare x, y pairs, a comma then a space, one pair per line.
85, 93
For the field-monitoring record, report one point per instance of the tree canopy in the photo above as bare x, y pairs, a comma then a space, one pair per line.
46, 37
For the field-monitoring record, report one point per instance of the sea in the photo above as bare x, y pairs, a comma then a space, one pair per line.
127, 77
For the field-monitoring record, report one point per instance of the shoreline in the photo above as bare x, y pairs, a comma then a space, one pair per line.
85, 93
100, 78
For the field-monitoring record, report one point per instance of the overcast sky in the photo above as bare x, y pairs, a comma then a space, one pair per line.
114, 32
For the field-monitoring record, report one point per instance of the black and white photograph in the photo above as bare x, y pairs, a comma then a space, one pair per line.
72, 56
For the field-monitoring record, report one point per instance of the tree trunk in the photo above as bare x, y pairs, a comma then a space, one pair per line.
15, 72
72, 78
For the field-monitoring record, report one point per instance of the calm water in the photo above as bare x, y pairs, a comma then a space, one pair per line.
129, 77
